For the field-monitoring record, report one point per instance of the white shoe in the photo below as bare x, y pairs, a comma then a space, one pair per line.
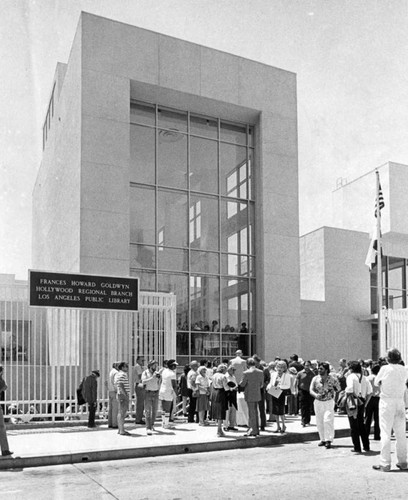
149, 432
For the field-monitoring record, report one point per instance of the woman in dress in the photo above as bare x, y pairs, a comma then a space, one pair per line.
203, 388
218, 398
323, 388
359, 387
279, 387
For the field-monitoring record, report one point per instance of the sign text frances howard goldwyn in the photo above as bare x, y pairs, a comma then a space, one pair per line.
83, 291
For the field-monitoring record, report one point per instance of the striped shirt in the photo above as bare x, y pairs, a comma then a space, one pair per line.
122, 383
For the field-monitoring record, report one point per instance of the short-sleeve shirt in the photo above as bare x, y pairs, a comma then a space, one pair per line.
304, 379
392, 379
166, 391
326, 389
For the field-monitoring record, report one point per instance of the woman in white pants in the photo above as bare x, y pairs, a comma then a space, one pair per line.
323, 388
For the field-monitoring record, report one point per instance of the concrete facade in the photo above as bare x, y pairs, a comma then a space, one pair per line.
332, 327
81, 197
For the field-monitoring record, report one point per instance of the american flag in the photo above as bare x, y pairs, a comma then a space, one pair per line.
379, 200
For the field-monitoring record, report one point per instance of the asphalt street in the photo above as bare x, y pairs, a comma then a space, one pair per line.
290, 471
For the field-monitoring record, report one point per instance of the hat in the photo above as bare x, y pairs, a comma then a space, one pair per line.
293, 370
96, 372
171, 362
152, 362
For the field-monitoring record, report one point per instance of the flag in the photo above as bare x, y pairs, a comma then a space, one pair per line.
372, 252
379, 199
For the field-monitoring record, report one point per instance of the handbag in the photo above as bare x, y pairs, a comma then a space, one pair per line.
80, 397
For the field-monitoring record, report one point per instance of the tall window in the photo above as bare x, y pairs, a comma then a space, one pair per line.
191, 224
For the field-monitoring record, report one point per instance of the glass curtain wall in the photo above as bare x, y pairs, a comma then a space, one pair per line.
192, 216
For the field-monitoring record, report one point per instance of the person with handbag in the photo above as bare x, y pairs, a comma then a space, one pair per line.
279, 387
358, 391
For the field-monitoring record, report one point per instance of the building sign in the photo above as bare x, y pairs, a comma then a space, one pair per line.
83, 291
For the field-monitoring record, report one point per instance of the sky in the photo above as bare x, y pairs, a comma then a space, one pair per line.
350, 57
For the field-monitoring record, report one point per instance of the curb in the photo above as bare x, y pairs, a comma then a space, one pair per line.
165, 450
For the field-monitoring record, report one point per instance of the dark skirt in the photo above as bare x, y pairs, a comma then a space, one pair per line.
218, 404
202, 402
278, 404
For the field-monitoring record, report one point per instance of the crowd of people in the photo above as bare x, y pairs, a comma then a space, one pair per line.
251, 392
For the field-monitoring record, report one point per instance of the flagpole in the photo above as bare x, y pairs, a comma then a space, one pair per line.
381, 337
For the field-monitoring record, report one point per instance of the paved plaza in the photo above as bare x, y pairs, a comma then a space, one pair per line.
40, 444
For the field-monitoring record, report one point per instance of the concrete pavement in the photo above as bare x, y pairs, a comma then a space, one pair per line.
40, 444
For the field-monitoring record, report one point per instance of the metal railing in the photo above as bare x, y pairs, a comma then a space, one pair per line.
46, 352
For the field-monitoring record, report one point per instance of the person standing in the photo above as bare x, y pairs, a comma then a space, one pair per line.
191, 385
252, 383
151, 382
359, 387
323, 388
218, 397
90, 394
239, 364
4, 446
122, 395
267, 379
230, 422
278, 387
168, 389
113, 402
139, 390
303, 380
371, 410
392, 379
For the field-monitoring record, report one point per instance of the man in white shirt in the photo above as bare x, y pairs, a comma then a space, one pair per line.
168, 389
139, 390
392, 380
113, 402
239, 364
191, 377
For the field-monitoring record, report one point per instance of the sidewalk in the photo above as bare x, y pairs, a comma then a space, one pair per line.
59, 443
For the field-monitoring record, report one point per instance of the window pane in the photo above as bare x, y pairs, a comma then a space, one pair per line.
233, 133
207, 127
172, 159
142, 113
182, 344
142, 154
177, 284
174, 120
234, 303
251, 231
395, 273
142, 256
172, 219
395, 299
171, 259
251, 140
147, 280
234, 265
204, 262
233, 171
142, 210
203, 221
233, 222
204, 302
251, 183
203, 165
